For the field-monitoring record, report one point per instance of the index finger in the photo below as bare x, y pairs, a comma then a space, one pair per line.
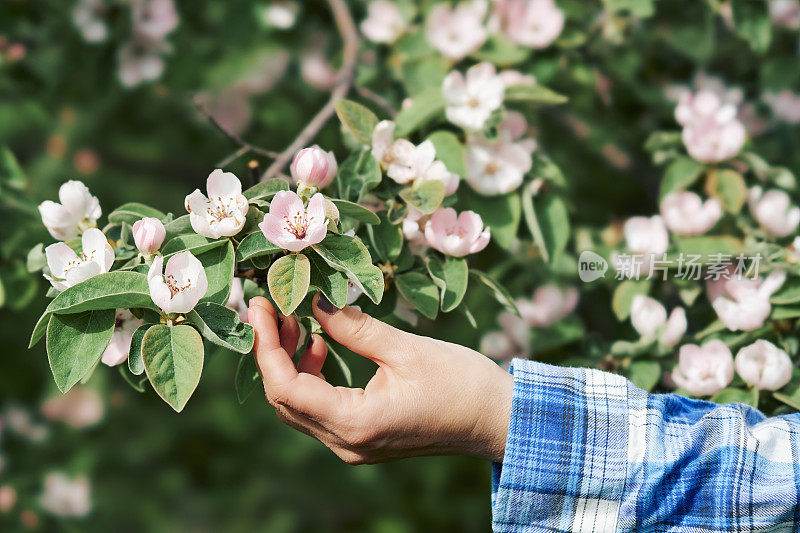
274, 364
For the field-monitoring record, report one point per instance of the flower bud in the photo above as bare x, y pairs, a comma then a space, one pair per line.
314, 166
764, 365
704, 370
148, 234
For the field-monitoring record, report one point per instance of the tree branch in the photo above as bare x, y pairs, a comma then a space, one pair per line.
244, 146
347, 29
379, 100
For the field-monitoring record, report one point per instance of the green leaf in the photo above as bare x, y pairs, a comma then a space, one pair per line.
789, 293
501, 213
330, 281
349, 255
548, 221
709, 248
133, 211
728, 187
733, 395
420, 291
424, 73
246, 377
135, 361
358, 119
288, 279
218, 264
500, 50
255, 245
751, 22
452, 277
638, 8
500, 293
449, 151
355, 211
424, 107
386, 239
180, 226
623, 296
197, 244
425, 197
358, 174
783, 313
173, 360
266, 189
343, 366
222, 326
111, 290
645, 374
75, 343
680, 175
534, 94
11, 173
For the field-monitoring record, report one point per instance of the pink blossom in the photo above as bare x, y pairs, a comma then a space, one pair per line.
414, 226
317, 71
649, 319
550, 304
154, 18
531, 23
148, 234
406, 163
181, 285
79, 408
280, 14
456, 234
685, 213
514, 77
471, 99
67, 268
140, 61
292, 226
314, 166
89, 17
743, 303
8, 496
77, 211
66, 497
785, 13
511, 341
764, 366
118, 349
705, 370
785, 105
711, 131
498, 166
384, 22
223, 213
459, 31
645, 235
773, 211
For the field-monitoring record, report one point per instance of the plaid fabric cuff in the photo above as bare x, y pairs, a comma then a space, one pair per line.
567, 451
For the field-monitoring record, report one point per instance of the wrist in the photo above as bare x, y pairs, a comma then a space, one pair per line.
491, 429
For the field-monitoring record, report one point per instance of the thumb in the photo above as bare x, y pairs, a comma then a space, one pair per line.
358, 331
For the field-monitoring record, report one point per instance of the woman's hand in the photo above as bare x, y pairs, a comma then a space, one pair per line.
428, 397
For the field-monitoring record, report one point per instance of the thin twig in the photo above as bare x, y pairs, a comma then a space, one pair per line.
347, 29
244, 146
382, 102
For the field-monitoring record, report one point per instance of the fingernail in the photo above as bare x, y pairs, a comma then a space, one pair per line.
325, 305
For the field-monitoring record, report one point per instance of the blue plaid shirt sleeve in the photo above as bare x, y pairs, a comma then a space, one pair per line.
588, 451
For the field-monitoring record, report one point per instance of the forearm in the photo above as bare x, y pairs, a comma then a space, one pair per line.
588, 450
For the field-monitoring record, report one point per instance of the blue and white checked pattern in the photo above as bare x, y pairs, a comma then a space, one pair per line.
589, 452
